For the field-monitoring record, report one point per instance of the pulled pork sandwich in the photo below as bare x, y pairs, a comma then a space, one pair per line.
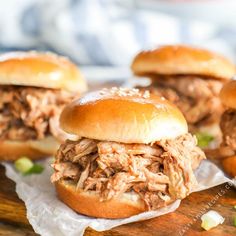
134, 154
34, 87
191, 78
228, 127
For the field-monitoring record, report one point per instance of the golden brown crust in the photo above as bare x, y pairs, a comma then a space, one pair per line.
123, 118
180, 59
40, 70
228, 94
229, 165
88, 203
12, 150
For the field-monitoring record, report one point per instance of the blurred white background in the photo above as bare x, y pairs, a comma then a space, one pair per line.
108, 33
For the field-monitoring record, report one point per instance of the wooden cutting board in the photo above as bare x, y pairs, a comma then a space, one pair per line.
184, 221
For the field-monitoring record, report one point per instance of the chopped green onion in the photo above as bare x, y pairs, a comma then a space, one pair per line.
211, 219
23, 164
36, 169
204, 139
26, 167
235, 221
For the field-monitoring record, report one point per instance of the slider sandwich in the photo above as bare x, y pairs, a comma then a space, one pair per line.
34, 87
228, 128
191, 78
134, 154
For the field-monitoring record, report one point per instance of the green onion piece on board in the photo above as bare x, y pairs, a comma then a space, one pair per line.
26, 167
211, 219
23, 164
36, 169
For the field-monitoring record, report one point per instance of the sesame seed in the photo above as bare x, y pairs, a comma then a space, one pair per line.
125, 92
146, 94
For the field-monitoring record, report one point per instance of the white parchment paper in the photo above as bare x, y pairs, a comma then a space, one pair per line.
50, 217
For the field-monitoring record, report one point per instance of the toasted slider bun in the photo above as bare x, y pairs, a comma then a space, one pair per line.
228, 94
184, 60
40, 69
120, 115
88, 203
123, 115
35, 149
229, 165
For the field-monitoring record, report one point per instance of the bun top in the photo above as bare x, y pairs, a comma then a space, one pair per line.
228, 94
40, 69
123, 115
180, 59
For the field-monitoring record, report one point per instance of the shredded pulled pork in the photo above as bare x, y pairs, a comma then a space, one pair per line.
30, 112
196, 97
228, 127
158, 172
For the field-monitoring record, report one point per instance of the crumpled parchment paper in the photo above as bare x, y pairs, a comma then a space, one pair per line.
50, 217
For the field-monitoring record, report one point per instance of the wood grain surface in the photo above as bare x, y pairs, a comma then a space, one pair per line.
184, 221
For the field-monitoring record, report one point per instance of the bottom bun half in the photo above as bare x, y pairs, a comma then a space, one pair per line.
88, 203
33, 149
